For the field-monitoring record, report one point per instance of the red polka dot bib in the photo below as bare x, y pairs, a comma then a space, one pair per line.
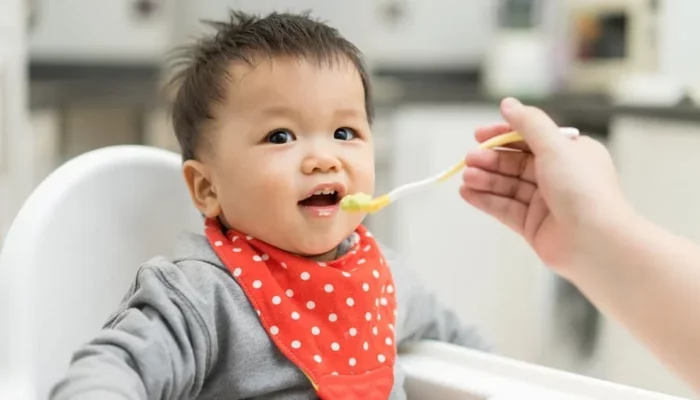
333, 320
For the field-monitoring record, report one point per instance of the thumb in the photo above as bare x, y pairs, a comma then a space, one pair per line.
537, 128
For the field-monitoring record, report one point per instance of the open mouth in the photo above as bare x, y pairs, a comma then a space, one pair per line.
322, 198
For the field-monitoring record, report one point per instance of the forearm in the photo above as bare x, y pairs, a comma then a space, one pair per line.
649, 280
156, 346
100, 372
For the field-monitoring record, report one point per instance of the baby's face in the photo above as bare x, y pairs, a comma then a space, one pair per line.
288, 129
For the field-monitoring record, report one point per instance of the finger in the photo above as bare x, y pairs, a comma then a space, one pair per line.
484, 133
538, 129
511, 163
502, 185
508, 211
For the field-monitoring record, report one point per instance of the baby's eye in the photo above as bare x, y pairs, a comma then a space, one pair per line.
280, 136
344, 134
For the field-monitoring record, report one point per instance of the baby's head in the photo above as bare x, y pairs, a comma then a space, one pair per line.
268, 112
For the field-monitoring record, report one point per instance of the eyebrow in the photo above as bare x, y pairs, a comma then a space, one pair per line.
292, 112
350, 112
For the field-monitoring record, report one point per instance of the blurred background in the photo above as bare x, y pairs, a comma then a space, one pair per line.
76, 75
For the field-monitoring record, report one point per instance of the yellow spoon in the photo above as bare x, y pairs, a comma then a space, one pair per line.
361, 202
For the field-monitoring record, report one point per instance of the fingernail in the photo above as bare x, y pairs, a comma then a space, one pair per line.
511, 104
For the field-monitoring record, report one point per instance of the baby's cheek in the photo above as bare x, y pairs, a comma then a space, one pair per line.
367, 178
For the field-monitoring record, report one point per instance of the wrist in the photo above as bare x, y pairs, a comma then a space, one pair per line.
606, 238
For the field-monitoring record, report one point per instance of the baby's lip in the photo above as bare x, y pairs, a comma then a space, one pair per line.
338, 187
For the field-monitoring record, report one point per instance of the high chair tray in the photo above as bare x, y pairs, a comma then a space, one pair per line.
442, 371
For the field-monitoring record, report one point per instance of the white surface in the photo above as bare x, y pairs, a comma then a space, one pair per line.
441, 371
648, 90
476, 265
348, 17
532, 53
16, 178
425, 38
11, 12
100, 31
679, 51
4, 100
74, 248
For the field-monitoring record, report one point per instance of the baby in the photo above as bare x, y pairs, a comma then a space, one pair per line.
284, 296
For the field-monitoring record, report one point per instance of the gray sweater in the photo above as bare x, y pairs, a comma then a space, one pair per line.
185, 330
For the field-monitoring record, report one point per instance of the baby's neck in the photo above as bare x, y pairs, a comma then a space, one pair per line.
339, 251
329, 256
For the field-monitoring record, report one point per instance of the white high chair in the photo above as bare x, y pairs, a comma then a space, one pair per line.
73, 250
75, 246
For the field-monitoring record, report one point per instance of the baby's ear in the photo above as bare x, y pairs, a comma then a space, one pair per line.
198, 178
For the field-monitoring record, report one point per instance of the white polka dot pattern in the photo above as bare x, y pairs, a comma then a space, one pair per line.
331, 317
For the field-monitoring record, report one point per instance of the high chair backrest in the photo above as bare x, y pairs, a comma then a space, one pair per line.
73, 250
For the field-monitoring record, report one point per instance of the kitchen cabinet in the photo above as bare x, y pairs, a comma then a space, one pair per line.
393, 34
350, 18
432, 35
105, 31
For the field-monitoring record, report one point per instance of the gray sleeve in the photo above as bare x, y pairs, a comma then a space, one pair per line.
155, 347
422, 317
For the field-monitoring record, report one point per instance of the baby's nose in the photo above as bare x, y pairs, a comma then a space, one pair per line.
321, 163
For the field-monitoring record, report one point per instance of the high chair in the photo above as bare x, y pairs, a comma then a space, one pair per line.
77, 242
73, 250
